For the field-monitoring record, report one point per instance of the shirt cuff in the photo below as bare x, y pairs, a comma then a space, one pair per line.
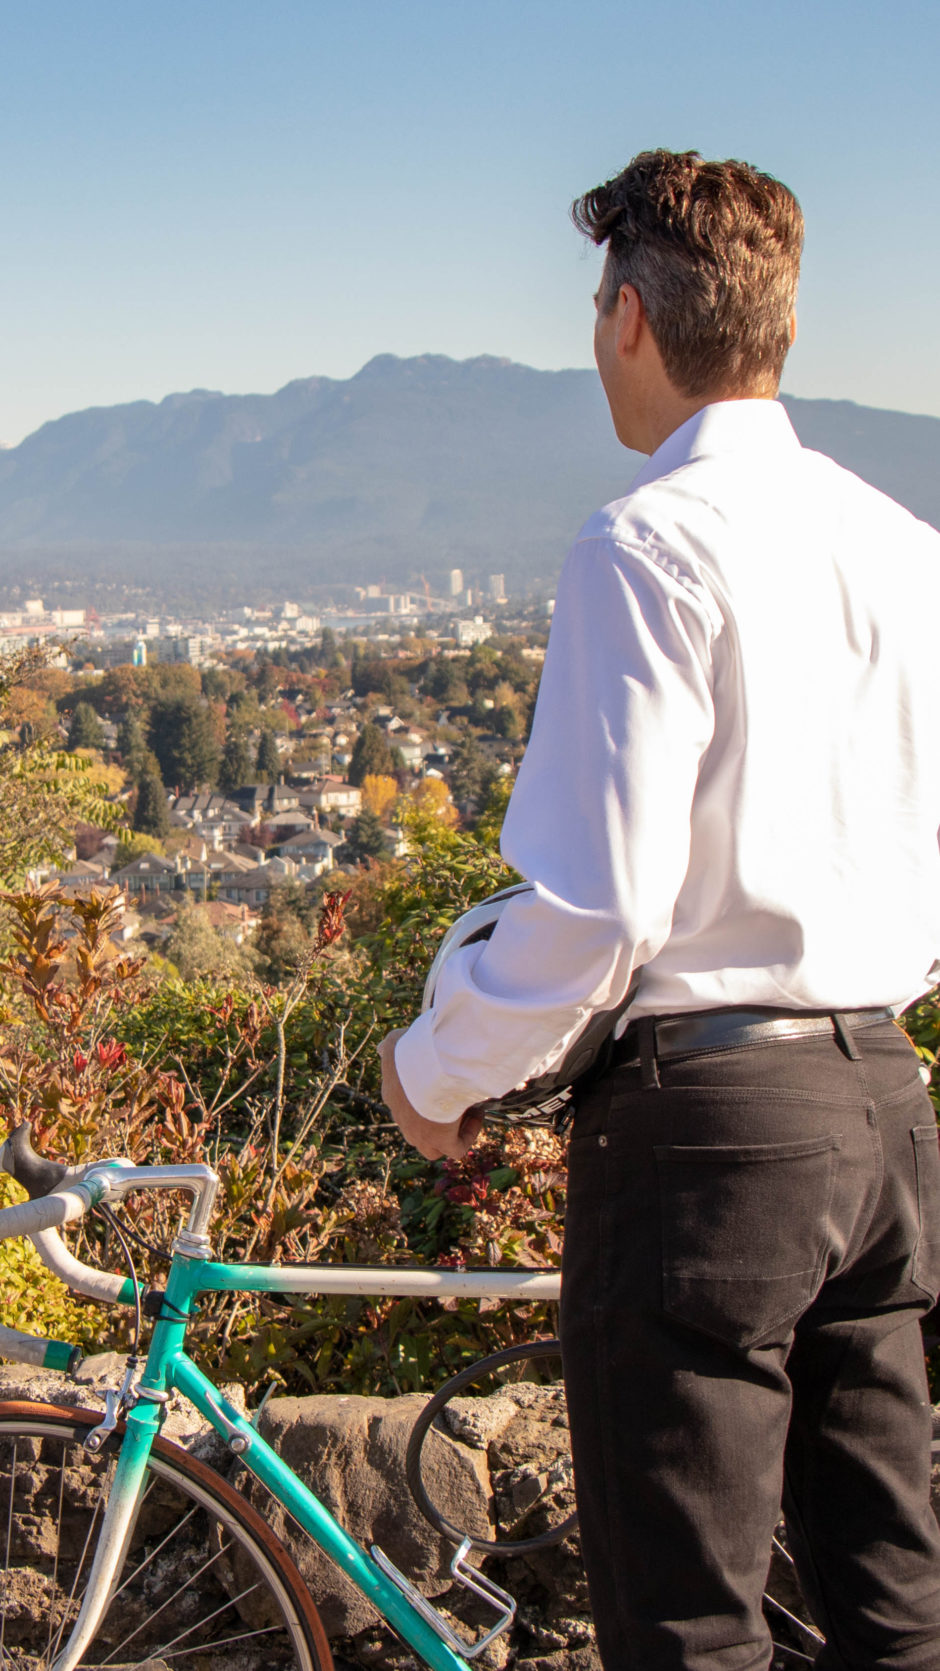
435, 1094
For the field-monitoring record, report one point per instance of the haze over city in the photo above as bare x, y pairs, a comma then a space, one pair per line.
233, 196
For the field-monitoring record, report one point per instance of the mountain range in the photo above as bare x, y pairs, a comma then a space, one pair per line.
411, 467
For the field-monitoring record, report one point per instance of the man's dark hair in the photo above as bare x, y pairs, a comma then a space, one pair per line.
713, 249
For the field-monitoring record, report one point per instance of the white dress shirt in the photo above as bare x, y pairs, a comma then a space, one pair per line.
733, 778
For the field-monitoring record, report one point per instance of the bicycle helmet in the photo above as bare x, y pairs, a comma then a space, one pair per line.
551, 1090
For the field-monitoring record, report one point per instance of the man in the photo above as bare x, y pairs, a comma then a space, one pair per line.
732, 785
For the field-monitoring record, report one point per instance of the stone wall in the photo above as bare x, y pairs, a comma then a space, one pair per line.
498, 1461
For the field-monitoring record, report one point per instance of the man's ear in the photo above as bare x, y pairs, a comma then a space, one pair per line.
631, 317
793, 327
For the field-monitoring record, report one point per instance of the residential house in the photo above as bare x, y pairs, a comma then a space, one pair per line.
333, 795
314, 849
80, 876
150, 874
254, 887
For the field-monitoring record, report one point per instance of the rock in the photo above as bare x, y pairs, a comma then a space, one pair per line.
351, 1452
585, 1658
477, 1421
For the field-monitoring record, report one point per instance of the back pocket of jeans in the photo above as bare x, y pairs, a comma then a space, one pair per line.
926, 1268
745, 1233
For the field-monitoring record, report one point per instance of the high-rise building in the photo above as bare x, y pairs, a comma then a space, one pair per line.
498, 588
455, 584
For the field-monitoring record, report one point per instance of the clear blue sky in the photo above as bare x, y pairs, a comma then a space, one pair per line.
232, 193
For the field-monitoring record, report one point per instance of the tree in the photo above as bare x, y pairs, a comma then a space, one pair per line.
243, 708
132, 744
268, 769
139, 845
371, 756
88, 839
445, 681
507, 721
379, 794
198, 951
237, 766
472, 771
221, 683
366, 840
126, 690
266, 680
182, 738
85, 729
152, 814
44, 792
287, 929
30, 711
432, 797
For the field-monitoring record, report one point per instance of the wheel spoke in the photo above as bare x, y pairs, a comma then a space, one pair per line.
171, 1601
200, 1624
58, 1547
223, 1642
808, 1630
3, 1621
172, 1533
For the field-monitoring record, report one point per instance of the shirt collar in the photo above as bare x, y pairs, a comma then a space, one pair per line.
727, 426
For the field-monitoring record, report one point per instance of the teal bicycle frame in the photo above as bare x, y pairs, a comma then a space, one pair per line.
169, 1369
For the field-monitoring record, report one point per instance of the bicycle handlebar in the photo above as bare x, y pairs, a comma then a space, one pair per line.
80, 1188
27, 1218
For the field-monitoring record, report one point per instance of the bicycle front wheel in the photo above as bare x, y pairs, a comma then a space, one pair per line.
205, 1584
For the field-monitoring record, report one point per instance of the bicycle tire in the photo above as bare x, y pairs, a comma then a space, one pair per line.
527, 1351
205, 1581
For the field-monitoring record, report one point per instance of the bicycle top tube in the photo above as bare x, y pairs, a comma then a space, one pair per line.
193, 1270
194, 1276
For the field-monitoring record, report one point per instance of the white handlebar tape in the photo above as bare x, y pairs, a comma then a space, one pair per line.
45, 1354
84, 1279
47, 1211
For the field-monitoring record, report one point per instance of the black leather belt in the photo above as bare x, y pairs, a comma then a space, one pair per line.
731, 1029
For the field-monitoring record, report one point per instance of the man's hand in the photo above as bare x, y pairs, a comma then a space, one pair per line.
432, 1139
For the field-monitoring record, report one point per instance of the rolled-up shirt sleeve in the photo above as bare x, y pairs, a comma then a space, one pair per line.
599, 823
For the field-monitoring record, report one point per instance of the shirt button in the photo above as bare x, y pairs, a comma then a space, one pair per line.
602, 1142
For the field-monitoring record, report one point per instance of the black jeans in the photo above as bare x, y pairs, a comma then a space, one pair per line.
748, 1251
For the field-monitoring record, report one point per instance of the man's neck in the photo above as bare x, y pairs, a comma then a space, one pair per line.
665, 410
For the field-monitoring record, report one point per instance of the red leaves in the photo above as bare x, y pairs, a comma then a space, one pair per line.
170, 1093
472, 1194
332, 918
110, 1053
222, 1013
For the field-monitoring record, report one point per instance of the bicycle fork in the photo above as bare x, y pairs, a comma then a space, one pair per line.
124, 1499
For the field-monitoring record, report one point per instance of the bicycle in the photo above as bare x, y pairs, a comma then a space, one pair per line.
155, 1560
